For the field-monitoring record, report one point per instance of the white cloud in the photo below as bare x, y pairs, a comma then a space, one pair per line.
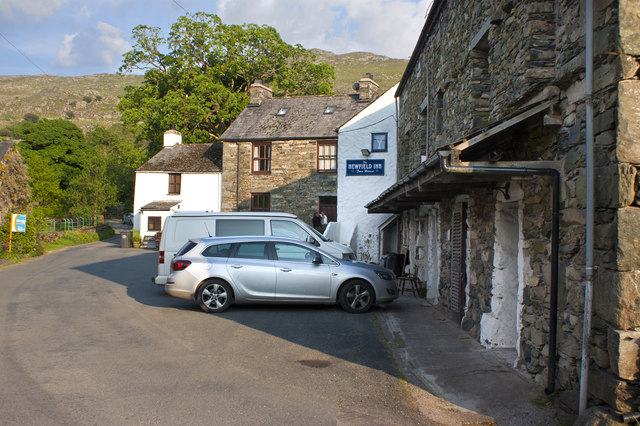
383, 27
39, 8
92, 49
66, 56
113, 44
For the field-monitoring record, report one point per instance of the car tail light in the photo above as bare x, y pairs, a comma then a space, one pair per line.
179, 265
161, 257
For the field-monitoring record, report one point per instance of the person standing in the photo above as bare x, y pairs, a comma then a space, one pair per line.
317, 221
324, 221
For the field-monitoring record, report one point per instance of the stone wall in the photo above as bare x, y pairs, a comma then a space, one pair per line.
530, 46
294, 183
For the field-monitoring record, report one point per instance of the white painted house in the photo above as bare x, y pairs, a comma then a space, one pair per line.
180, 177
366, 167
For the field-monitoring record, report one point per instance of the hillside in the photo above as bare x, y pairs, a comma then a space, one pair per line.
92, 100
87, 101
349, 67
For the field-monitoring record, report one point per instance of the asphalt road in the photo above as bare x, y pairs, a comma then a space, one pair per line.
86, 338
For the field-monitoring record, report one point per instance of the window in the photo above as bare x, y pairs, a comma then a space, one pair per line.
378, 142
252, 251
261, 157
330, 109
235, 227
282, 111
439, 122
261, 202
284, 228
294, 253
174, 183
327, 156
218, 250
155, 223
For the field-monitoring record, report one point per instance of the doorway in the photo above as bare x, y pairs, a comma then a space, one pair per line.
329, 205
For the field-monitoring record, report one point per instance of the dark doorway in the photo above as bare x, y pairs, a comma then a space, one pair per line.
329, 205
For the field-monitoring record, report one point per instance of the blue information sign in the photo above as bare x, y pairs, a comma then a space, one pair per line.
365, 167
19, 223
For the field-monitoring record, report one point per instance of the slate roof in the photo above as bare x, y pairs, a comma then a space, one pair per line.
160, 205
193, 158
304, 119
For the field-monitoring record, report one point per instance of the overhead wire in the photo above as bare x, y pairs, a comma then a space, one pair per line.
22, 53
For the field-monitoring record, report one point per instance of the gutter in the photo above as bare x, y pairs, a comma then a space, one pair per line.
470, 168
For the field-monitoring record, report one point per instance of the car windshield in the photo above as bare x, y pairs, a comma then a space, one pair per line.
315, 233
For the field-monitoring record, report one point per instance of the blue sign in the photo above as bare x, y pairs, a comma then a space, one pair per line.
365, 167
19, 222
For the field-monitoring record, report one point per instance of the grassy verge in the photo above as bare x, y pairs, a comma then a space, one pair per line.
67, 240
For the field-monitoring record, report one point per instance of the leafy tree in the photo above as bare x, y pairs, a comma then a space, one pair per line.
197, 78
121, 156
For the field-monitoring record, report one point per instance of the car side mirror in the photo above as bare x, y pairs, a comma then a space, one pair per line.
312, 240
317, 260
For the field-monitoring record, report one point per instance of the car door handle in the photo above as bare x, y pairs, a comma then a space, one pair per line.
285, 269
236, 266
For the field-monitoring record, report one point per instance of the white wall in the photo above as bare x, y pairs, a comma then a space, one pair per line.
354, 192
198, 191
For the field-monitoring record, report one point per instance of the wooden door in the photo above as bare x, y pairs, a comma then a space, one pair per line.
458, 260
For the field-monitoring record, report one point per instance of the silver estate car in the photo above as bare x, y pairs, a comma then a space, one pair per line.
217, 272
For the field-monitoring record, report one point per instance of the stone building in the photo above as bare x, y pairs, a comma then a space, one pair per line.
492, 115
280, 154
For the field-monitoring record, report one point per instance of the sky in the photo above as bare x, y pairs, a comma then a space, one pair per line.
80, 37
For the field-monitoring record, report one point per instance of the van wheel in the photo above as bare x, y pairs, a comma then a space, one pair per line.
215, 296
356, 296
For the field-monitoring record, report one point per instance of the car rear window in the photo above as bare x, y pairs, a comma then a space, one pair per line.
186, 248
239, 227
217, 250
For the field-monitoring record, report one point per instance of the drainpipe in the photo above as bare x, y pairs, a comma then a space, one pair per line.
589, 268
555, 226
237, 176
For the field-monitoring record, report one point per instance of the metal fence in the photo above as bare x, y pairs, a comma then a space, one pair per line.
69, 224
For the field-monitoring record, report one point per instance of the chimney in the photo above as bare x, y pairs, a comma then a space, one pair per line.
258, 92
172, 137
366, 88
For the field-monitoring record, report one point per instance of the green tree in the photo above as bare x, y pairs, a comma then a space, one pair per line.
197, 78
121, 156
55, 152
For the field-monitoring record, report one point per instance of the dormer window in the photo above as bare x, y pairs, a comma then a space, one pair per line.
330, 109
282, 111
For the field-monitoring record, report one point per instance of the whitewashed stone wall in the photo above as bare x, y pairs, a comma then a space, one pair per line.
198, 191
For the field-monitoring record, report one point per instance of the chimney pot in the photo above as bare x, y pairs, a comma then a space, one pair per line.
367, 88
258, 92
172, 137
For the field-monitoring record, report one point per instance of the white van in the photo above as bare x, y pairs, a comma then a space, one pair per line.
182, 226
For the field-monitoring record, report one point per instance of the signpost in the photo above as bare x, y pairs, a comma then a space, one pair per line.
365, 167
18, 224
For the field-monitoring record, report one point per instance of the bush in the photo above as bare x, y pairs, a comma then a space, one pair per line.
31, 117
25, 243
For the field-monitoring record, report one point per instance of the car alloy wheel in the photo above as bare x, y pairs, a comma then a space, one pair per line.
215, 296
356, 297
